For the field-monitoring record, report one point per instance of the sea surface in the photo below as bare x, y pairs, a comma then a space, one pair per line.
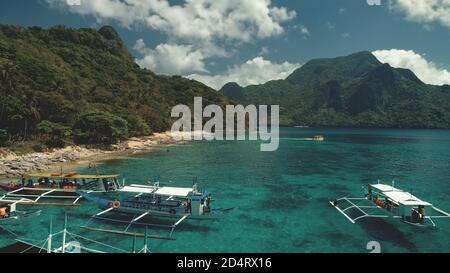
280, 198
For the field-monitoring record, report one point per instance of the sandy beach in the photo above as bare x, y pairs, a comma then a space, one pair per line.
12, 165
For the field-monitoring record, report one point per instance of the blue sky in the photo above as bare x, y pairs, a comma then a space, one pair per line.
251, 42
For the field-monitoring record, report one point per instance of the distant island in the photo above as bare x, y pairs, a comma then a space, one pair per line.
351, 91
60, 86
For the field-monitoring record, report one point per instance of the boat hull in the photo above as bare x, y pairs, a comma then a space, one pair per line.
9, 186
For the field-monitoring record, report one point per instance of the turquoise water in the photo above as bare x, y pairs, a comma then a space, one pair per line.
281, 198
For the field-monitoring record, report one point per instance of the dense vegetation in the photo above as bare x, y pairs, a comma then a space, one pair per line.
352, 91
61, 84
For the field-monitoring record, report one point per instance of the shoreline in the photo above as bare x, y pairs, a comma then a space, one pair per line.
13, 166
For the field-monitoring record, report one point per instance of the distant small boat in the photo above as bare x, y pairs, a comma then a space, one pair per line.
318, 138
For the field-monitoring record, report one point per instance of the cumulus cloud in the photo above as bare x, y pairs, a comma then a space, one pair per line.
194, 19
255, 71
170, 59
425, 11
282, 14
196, 29
425, 70
302, 29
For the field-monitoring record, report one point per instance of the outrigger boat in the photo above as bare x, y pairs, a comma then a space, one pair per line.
157, 201
36, 187
396, 203
72, 243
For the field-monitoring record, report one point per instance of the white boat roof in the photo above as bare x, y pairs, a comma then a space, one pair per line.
165, 191
136, 189
400, 196
172, 191
383, 187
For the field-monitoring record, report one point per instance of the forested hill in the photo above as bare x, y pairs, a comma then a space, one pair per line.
65, 84
351, 91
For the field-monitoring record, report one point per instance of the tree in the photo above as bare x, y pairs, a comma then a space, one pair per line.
3, 137
52, 129
136, 125
54, 133
100, 128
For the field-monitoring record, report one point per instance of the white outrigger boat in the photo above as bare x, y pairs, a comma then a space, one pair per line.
157, 201
396, 203
33, 188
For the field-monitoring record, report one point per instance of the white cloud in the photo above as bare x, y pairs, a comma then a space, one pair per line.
425, 11
192, 20
255, 71
196, 29
331, 26
264, 51
171, 59
282, 14
425, 70
302, 29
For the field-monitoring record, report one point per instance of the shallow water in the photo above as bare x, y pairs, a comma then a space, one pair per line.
281, 198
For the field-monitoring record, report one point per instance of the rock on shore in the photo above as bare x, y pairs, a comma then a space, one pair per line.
12, 165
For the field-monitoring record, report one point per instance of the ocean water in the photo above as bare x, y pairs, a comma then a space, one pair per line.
281, 198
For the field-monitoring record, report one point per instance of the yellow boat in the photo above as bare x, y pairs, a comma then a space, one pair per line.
35, 187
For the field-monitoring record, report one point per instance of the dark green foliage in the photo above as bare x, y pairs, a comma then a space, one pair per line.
39, 147
58, 74
54, 134
52, 129
352, 91
234, 91
3, 136
136, 125
100, 127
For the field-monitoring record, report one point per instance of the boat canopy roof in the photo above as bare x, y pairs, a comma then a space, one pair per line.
400, 196
172, 191
384, 187
76, 176
164, 191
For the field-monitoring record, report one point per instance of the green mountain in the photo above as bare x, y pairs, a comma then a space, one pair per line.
351, 91
65, 84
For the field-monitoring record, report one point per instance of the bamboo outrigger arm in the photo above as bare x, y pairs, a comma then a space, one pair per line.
129, 233
11, 199
357, 207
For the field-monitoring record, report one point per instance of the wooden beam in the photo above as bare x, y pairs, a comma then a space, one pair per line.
131, 234
37, 204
